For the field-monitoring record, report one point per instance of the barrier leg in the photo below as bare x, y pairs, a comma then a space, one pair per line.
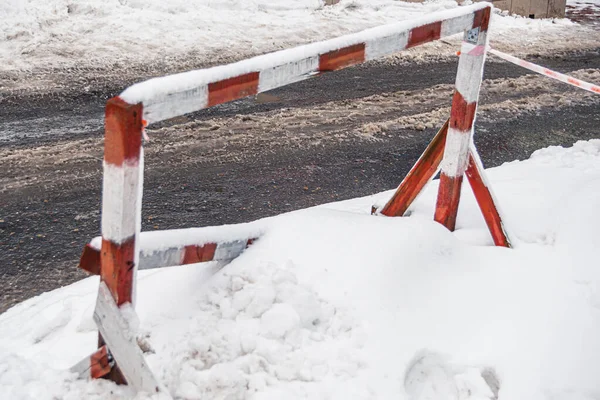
420, 174
121, 197
462, 117
485, 199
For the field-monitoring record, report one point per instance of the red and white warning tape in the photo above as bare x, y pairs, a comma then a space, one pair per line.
547, 72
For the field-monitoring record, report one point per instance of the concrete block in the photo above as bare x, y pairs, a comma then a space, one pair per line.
538, 9
556, 8
520, 7
502, 4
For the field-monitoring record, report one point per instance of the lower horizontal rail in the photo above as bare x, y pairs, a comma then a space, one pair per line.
154, 254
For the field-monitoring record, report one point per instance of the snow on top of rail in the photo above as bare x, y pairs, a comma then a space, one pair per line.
152, 241
177, 94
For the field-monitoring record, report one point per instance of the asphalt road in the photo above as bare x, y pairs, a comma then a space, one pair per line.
339, 136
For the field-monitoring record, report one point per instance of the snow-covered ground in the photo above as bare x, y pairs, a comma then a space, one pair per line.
333, 303
108, 33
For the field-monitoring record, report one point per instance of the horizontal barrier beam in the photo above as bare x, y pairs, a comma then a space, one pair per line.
179, 94
199, 245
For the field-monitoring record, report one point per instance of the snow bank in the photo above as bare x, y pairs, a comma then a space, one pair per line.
109, 33
334, 303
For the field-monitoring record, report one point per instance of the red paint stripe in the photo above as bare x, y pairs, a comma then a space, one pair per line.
190, 255
197, 254
207, 252
596, 89
232, 88
486, 204
116, 269
481, 19
462, 113
418, 177
446, 208
99, 363
123, 132
342, 58
90, 260
424, 34
573, 81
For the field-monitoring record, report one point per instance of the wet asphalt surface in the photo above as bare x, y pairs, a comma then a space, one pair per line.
43, 227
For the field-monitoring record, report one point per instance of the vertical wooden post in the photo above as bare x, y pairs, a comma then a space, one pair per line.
462, 117
121, 202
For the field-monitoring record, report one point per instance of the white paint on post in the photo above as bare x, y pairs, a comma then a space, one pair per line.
468, 82
120, 188
456, 153
122, 343
138, 226
470, 70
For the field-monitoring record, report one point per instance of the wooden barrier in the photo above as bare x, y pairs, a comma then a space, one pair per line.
117, 258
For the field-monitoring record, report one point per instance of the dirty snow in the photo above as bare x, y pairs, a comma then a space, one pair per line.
111, 33
334, 303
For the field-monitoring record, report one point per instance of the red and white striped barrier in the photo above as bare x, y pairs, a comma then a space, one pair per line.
121, 250
174, 95
590, 87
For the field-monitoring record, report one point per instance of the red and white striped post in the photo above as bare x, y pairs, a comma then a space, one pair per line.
121, 203
462, 118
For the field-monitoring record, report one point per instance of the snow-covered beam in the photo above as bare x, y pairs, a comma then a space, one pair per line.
174, 95
173, 247
172, 256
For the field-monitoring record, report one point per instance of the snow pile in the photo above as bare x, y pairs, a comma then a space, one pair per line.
334, 303
108, 33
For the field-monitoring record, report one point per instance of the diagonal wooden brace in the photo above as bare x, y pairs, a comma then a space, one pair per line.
485, 199
420, 174
120, 337
426, 168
